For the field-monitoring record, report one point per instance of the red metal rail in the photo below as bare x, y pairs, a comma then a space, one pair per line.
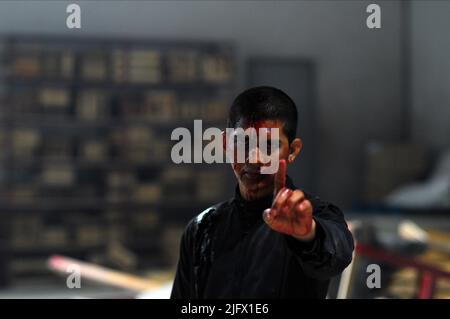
428, 274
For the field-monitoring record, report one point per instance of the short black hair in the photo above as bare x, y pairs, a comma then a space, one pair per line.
265, 103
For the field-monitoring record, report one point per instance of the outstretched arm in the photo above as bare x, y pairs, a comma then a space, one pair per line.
315, 230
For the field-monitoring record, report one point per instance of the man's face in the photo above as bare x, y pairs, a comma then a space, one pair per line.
252, 183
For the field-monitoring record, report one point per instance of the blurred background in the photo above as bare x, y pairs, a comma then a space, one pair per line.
86, 117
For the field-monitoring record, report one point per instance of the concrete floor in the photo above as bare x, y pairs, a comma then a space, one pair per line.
55, 287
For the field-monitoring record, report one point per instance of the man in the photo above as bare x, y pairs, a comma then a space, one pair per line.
271, 240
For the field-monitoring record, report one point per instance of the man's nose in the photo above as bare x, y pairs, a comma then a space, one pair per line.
258, 157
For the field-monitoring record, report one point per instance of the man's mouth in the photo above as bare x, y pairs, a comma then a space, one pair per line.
253, 174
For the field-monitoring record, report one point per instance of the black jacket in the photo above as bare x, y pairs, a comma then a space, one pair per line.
229, 252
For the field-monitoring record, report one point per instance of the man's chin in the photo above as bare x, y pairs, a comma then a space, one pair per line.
257, 194
257, 189
255, 178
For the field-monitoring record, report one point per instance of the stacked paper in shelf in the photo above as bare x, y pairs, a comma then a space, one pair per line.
58, 64
67, 64
53, 63
137, 66
55, 100
216, 68
26, 66
110, 166
144, 66
137, 144
58, 175
94, 150
144, 220
89, 233
25, 230
121, 179
23, 194
183, 66
207, 109
91, 105
189, 109
54, 237
159, 106
215, 109
147, 193
25, 142
29, 266
119, 185
94, 66
120, 65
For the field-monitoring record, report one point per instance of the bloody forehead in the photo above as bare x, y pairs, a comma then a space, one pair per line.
257, 124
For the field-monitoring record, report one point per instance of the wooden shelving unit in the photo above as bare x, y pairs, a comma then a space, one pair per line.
85, 128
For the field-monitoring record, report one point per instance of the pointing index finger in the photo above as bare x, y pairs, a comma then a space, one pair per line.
280, 178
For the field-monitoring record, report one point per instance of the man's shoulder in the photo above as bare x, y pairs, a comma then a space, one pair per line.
208, 216
323, 207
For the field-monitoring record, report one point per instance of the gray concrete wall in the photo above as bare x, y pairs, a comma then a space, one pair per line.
431, 73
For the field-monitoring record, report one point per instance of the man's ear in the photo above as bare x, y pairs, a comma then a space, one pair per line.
294, 149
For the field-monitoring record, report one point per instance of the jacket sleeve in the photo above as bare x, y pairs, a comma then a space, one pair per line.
330, 252
183, 283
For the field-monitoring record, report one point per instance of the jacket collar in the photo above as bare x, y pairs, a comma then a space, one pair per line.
259, 205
